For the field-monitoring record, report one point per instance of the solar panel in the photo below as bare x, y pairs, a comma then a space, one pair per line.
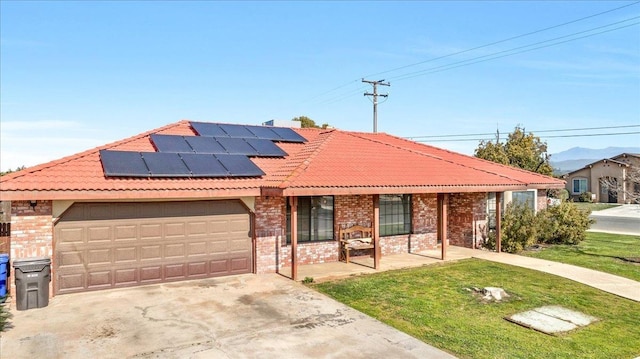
264, 132
171, 144
237, 131
239, 166
202, 165
123, 164
288, 135
266, 148
203, 144
208, 129
165, 164
236, 146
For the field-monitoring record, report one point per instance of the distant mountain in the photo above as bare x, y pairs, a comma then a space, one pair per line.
578, 153
578, 157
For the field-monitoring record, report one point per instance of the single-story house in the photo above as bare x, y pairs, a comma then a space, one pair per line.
195, 200
599, 176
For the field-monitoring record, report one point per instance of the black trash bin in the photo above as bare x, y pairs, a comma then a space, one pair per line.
32, 282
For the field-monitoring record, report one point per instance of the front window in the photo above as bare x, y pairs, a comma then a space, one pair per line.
524, 197
315, 219
395, 214
579, 185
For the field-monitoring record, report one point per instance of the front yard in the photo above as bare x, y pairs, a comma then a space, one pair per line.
612, 253
434, 304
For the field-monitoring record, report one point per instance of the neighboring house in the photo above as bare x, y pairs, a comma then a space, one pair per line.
196, 200
608, 179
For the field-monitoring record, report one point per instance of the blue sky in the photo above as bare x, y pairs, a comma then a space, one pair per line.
75, 75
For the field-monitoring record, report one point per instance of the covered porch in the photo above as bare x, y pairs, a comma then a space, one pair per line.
440, 219
365, 264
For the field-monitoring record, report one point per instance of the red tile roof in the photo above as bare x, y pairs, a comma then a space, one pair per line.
331, 162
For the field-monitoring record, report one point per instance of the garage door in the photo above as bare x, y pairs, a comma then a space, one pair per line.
110, 245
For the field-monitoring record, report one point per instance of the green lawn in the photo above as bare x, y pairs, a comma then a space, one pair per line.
432, 304
612, 253
594, 206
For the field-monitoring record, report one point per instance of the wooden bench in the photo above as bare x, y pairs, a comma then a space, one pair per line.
355, 238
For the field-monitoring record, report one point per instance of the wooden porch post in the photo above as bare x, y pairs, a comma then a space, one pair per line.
293, 202
377, 252
498, 220
443, 209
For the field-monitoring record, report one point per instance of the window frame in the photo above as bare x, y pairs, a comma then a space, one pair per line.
394, 212
306, 231
534, 202
579, 179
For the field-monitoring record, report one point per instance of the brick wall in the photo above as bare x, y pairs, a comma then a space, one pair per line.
542, 199
272, 250
424, 223
270, 230
31, 232
467, 212
352, 210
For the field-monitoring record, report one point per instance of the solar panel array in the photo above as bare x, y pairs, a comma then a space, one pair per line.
157, 164
278, 134
219, 150
255, 147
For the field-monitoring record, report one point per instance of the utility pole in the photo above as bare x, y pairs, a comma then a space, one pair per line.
375, 95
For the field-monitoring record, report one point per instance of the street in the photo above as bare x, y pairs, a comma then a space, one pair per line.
623, 219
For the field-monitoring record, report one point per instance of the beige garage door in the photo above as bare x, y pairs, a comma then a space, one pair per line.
110, 245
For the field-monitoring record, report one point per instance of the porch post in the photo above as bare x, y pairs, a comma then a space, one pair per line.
293, 202
377, 252
498, 221
443, 209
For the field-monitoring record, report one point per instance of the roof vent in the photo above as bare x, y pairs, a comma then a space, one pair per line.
282, 123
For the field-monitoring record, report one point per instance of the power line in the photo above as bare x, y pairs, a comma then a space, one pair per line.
350, 94
503, 40
555, 136
538, 131
488, 57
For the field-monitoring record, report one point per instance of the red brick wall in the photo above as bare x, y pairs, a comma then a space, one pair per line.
424, 222
31, 232
270, 217
271, 247
467, 211
352, 210
542, 199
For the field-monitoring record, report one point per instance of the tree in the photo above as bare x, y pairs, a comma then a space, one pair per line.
11, 171
630, 191
306, 122
521, 150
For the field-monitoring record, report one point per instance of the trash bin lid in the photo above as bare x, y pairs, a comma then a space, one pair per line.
30, 261
4, 258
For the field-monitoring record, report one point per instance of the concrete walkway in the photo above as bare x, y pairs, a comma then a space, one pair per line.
623, 287
625, 210
620, 286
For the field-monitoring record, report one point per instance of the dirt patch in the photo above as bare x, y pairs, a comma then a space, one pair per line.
102, 331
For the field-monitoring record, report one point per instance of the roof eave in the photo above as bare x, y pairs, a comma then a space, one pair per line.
367, 190
128, 194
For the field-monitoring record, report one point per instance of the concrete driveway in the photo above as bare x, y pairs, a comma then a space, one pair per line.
247, 316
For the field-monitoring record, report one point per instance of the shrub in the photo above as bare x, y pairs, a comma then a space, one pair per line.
518, 228
307, 280
585, 197
559, 193
563, 224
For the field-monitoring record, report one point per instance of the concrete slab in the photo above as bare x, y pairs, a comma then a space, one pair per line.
577, 318
552, 319
248, 316
541, 322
